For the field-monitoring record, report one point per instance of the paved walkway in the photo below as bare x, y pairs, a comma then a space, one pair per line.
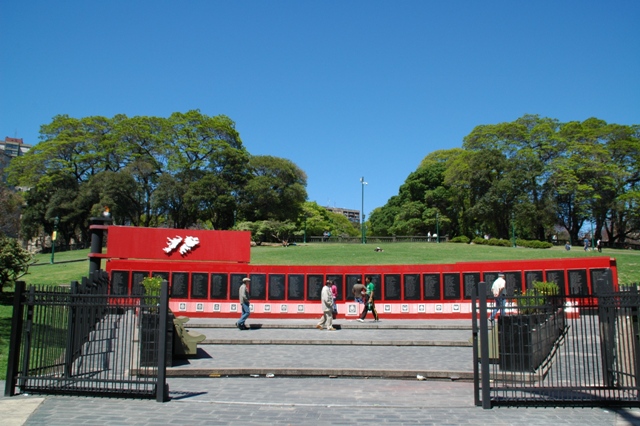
211, 398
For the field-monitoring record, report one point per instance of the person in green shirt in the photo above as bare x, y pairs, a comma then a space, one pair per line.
369, 304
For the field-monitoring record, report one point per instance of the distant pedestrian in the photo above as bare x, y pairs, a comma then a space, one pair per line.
326, 300
567, 246
599, 246
244, 303
498, 288
334, 296
370, 303
358, 291
586, 244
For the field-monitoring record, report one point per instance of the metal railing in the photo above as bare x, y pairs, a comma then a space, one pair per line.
80, 340
558, 351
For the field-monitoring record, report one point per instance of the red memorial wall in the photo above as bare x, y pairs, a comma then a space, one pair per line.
205, 277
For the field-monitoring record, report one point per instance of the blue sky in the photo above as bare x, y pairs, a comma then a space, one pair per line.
344, 89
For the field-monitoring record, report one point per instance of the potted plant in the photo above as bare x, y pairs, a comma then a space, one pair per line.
527, 338
150, 324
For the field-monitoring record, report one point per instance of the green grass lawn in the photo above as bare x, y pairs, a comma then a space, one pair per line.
73, 265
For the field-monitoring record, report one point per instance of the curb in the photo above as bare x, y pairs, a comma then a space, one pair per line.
445, 343
316, 372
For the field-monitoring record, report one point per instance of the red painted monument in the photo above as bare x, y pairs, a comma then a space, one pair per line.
205, 270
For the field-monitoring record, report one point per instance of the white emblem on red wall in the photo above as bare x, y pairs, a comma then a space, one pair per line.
188, 244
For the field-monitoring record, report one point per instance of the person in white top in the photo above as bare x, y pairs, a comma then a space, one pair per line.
498, 288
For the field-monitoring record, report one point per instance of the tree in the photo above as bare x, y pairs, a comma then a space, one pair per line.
10, 206
276, 190
14, 261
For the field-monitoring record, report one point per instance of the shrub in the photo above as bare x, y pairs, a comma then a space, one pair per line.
536, 244
545, 288
533, 299
460, 239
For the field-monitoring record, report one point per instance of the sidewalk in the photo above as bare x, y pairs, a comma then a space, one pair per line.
309, 401
220, 388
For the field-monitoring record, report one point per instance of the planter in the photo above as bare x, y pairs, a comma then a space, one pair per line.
149, 326
525, 341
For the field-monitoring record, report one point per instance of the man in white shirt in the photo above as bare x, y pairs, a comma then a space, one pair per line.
499, 290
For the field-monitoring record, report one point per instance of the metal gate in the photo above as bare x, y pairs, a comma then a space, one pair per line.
558, 351
81, 340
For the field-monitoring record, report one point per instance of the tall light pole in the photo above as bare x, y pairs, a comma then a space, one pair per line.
364, 239
56, 221
437, 228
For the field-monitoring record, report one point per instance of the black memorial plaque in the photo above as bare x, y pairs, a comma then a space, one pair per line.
136, 282
514, 282
470, 280
276, 286
531, 276
120, 283
218, 286
295, 289
236, 282
578, 282
258, 287
314, 286
351, 281
451, 286
431, 286
558, 278
180, 285
411, 287
337, 280
392, 287
601, 280
199, 285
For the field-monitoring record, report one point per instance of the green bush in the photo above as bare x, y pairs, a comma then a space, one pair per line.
492, 242
461, 239
533, 299
546, 289
536, 244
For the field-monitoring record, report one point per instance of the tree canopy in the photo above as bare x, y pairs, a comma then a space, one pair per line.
187, 170
533, 175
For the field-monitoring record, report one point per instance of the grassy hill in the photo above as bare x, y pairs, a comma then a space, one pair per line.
74, 265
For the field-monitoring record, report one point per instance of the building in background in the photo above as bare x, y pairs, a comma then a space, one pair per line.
10, 148
352, 215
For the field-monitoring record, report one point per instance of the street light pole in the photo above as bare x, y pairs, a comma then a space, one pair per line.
437, 228
362, 230
56, 220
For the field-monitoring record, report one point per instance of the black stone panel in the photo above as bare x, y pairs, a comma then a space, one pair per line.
120, 283
295, 289
276, 286
258, 287
392, 289
431, 286
180, 285
412, 287
219, 286
578, 285
337, 279
136, 282
199, 285
314, 286
470, 281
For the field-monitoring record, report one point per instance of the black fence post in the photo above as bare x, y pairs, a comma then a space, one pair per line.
28, 331
162, 389
484, 347
13, 362
476, 358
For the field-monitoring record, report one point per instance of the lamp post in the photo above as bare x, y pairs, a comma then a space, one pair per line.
56, 221
362, 230
437, 228
592, 236
513, 231
305, 230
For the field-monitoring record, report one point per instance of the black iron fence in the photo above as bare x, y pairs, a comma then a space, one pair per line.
81, 340
555, 351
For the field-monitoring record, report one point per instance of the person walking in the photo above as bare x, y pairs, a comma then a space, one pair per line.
334, 295
326, 299
369, 304
244, 303
358, 290
498, 288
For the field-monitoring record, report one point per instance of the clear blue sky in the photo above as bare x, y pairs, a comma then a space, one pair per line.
344, 89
